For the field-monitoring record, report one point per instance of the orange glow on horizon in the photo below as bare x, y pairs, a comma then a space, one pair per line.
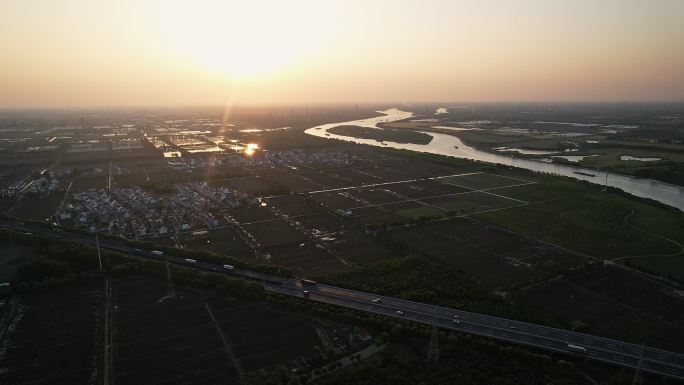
230, 52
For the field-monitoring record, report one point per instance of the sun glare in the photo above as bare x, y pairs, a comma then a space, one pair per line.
240, 39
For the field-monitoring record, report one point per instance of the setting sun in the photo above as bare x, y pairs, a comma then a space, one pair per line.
240, 39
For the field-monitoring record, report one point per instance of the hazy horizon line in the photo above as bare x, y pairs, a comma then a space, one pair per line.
444, 104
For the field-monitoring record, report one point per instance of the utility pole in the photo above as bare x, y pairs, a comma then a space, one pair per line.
433, 347
637, 379
99, 256
170, 291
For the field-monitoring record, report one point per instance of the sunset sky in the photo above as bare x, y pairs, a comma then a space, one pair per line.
127, 53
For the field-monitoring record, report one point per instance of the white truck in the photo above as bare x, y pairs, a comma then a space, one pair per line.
190, 261
228, 267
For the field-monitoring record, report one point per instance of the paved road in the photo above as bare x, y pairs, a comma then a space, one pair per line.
615, 352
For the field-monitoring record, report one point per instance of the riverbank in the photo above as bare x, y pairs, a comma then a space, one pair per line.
449, 145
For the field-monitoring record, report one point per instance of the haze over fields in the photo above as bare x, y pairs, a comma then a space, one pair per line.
88, 53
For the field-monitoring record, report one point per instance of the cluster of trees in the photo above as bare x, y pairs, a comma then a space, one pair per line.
54, 263
462, 361
463, 358
421, 279
211, 257
414, 278
389, 134
669, 172
223, 284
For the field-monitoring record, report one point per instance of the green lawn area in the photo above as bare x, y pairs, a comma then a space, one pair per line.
423, 211
481, 181
462, 206
671, 267
585, 219
473, 202
610, 157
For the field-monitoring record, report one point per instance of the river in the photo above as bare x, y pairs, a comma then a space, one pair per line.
450, 145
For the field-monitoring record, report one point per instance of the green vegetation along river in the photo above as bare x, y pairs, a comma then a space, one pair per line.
450, 145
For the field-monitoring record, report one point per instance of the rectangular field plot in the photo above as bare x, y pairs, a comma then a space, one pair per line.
419, 211
376, 215
293, 182
262, 335
252, 186
364, 252
274, 233
337, 200
534, 192
491, 269
374, 195
410, 190
176, 342
356, 177
173, 342
438, 187
472, 202
324, 180
293, 205
251, 214
223, 241
322, 222
390, 171
614, 303
305, 259
53, 338
498, 258
482, 181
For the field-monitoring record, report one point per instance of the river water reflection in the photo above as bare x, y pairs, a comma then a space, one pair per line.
449, 145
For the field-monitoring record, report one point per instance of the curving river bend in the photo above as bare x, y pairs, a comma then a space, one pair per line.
449, 145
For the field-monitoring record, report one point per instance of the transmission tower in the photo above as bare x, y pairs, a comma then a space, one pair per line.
433, 348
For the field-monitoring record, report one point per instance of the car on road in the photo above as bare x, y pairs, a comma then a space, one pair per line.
190, 261
577, 348
513, 327
399, 312
305, 293
456, 316
377, 300
455, 321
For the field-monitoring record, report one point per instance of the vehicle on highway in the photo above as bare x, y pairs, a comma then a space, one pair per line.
377, 300
513, 327
191, 261
577, 348
157, 253
228, 267
457, 316
307, 282
399, 312
456, 321
306, 293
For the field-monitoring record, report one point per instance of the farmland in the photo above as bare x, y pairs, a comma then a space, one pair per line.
612, 302
473, 236
53, 336
181, 335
